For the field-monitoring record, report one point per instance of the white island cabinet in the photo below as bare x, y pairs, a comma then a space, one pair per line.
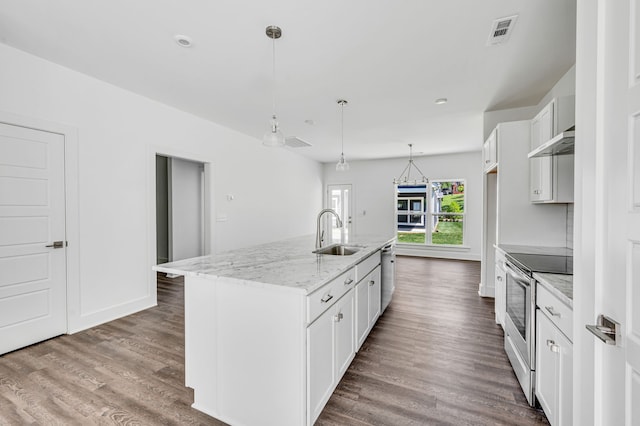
270, 330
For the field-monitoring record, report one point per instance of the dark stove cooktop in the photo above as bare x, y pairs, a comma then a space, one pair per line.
553, 264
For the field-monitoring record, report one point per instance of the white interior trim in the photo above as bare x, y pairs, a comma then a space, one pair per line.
151, 204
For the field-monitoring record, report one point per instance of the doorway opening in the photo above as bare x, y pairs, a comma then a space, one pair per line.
339, 198
180, 209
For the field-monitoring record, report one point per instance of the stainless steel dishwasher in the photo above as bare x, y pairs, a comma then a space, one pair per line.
388, 274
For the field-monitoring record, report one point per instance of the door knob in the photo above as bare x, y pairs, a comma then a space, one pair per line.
56, 244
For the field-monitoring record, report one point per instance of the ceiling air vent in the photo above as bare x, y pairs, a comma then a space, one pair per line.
501, 30
295, 142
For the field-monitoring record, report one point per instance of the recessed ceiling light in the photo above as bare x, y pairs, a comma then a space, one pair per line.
441, 101
183, 40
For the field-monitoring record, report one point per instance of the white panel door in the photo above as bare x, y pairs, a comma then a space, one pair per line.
617, 283
32, 217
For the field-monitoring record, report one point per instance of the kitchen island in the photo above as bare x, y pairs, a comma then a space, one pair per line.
271, 329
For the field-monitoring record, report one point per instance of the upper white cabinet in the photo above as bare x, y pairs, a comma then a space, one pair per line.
490, 152
551, 178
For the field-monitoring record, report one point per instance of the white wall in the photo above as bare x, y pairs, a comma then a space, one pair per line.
566, 86
374, 197
187, 198
118, 135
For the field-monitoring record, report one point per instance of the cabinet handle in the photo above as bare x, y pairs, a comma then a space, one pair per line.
499, 278
552, 346
487, 161
338, 318
372, 282
553, 312
326, 298
348, 281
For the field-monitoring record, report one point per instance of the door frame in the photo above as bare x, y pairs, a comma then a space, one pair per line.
208, 204
585, 243
71, 204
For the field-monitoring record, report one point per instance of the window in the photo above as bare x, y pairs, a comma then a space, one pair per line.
432, 213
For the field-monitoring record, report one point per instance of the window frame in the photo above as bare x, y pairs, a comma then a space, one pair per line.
429, 214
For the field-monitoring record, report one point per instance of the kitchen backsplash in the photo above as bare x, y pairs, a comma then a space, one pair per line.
570, 226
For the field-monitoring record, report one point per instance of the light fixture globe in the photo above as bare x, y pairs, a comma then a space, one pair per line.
342, 165
274, 136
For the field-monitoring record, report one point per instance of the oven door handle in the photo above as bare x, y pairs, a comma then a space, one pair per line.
519, 278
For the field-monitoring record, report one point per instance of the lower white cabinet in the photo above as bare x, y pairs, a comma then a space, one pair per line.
554, 371
368, 299
330, 350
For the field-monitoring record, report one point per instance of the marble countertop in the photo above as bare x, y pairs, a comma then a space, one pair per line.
559, 285
289, 264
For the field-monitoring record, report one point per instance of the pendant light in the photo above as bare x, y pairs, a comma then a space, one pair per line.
273, 136
405, 176
342, 165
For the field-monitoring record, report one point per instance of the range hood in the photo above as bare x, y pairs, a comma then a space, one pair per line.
562, 144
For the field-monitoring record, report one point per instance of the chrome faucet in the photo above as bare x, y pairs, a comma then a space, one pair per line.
319, 236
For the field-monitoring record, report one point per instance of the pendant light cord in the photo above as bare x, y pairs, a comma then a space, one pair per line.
273, 40
342, 130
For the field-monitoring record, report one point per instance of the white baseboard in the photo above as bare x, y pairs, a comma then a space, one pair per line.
486, 291
458, 254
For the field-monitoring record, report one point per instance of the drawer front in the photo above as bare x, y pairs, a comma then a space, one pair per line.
369, 264
323, 298
559, 313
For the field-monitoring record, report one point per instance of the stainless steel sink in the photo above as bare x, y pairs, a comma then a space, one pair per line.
337, 250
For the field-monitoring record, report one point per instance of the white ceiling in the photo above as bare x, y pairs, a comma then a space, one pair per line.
389, 58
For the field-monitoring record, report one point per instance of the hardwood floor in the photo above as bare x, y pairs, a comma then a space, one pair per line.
434, 357
126, 372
